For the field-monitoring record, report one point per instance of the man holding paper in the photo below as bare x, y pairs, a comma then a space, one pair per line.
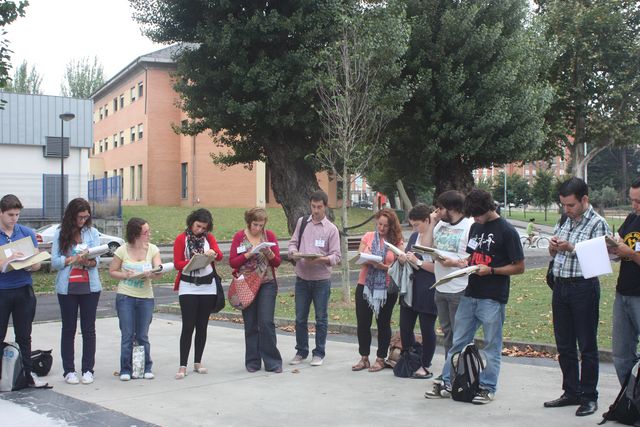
626, 307
16, 287
575, 300
313, 275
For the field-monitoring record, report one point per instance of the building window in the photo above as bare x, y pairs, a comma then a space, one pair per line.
133, 134
121, 138
105, 174
133, 94
106, 144
122, 100
106, 111
140, 90
184, 193
140, 182
132, 179
100, 113
100, 145
140, 131
115, 140
115, 172
115, 104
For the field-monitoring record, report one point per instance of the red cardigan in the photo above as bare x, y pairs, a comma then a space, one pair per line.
180, 261
236, 260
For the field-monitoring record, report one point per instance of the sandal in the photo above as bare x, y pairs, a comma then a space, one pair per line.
378, 365
182, 372
362, 364
424, 376
197, 367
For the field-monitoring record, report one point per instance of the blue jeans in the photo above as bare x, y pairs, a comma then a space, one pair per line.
319, 292
626, 329
260, 339
575, 319
473, 313
135, 316
69, 306
20, 304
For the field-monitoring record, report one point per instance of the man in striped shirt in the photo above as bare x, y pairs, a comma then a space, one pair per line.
576, 300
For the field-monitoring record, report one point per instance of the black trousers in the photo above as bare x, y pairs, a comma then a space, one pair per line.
364, 316
408, 318
20, 303
575, 320
195, 311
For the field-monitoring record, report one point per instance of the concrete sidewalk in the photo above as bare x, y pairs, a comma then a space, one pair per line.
316, 396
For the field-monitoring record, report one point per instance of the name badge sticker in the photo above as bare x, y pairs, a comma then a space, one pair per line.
637, 246
242, 249
560, 259
8, 252
473, 244
319, 243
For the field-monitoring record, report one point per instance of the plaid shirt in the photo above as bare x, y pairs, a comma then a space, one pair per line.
589, 226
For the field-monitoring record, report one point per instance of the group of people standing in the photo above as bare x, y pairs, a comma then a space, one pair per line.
467, 229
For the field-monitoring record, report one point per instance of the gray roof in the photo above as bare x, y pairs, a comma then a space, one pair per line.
165, 55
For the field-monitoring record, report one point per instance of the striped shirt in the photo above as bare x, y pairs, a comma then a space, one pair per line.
589, 226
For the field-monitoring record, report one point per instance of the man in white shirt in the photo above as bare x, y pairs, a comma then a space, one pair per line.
449, 232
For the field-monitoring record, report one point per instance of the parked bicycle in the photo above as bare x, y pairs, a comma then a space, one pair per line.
537, 242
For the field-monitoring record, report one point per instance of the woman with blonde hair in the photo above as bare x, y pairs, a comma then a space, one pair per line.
259, 327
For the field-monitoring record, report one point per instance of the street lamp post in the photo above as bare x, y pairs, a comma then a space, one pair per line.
64, 117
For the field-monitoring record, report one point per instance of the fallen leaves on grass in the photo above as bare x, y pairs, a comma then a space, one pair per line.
527, 351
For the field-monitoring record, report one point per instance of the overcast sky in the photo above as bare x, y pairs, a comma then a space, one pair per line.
53, 32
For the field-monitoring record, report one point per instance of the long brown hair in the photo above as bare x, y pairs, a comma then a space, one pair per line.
68, 228
395, 233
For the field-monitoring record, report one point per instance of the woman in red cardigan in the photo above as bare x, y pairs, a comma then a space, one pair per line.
259, 328
196, 289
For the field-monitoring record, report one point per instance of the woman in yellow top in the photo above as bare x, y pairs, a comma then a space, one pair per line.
132, 264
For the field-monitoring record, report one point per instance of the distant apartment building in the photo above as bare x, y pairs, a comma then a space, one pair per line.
30, 149
557, 165
134, 116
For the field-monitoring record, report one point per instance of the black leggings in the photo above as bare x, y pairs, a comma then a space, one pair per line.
195, 314
408, 319
364, 316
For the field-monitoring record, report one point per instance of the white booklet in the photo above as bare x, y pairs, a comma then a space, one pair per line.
593, 257
97, 251
397, 251
162, 268
437, 254
264, 245
364, 257
458, 273
30, 255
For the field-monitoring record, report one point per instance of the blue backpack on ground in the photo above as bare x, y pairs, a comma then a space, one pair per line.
625, 408
466, 366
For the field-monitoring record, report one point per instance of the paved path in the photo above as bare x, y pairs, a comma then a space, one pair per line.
330, 395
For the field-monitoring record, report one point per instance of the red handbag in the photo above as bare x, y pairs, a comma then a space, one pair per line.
243, 290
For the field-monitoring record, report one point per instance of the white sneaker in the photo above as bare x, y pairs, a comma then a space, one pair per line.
87, 378
125, 377
149, 376
37, 382
71, 378
316, 361
297, 359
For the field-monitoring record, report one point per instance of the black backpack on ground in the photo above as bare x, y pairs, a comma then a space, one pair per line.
409, 362
41, 361
466, 366
625, 408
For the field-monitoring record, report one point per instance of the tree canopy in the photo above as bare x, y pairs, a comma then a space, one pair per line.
479, 96
82, 77
9, 12
595, 75
26, 80
250, 74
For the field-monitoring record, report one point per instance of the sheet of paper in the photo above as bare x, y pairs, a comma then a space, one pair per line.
97, 251
364, 257
261, 246
458, 273
197, 262
593, 257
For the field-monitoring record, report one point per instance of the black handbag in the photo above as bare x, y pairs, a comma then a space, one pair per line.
220, 302
550, 279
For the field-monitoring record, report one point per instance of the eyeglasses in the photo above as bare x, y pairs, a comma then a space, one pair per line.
84, 217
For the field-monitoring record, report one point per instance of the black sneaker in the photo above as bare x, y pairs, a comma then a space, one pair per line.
483, 397
440, 390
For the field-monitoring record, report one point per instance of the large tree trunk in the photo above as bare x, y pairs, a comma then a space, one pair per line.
292, 180
452, 175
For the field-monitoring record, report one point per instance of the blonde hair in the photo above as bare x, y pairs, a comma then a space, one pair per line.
255, 214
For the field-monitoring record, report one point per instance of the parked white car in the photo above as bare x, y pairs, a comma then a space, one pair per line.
45, 234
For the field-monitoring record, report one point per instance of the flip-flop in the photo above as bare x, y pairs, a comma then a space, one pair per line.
426, 376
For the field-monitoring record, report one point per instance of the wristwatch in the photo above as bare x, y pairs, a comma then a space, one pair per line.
419, 263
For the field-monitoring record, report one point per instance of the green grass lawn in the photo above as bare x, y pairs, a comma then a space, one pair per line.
552, 217
167, 222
